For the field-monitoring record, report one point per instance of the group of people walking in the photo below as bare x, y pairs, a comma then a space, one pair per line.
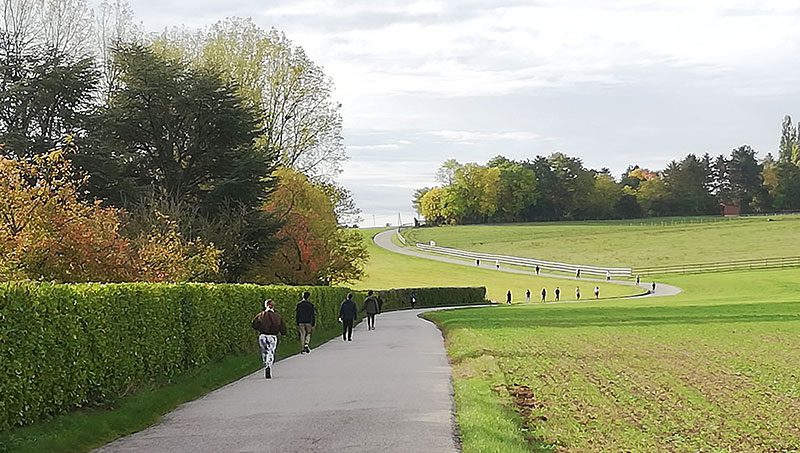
556, 292
269, 324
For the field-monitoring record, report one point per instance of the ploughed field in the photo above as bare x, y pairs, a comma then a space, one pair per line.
716, 368
637, 243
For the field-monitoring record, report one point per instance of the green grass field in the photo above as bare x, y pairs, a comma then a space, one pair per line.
627, 243
713, 369
391, 270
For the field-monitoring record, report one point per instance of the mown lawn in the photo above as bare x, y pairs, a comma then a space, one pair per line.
714, 369
391, 270
649, 242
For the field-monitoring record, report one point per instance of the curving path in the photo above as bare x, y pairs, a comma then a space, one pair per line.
388, 390
384, 240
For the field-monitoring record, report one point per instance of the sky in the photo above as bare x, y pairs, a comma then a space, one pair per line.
614, 82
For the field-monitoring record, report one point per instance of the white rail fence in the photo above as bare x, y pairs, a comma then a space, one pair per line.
616, 272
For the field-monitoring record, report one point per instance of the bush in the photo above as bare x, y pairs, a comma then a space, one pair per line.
69, 346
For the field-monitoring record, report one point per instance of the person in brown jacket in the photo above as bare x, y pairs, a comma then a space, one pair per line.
268, 324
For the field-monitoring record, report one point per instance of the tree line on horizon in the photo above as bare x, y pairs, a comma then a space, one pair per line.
560, 187
189, 155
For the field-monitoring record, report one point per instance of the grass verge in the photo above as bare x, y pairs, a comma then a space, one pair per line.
85, 429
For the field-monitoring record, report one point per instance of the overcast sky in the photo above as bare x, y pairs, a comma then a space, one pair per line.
629, 82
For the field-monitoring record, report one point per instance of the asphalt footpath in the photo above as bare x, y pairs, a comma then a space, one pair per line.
388, 390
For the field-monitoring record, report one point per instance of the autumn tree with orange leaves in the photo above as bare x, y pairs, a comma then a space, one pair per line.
313, 248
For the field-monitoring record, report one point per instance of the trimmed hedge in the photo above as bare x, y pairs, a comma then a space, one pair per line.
68, 346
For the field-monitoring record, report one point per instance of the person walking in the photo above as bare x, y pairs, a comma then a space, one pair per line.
527, 296
413, 300
558, 293
637, 280
537, 269
544, 295
608, 275
577, 293
306, 319
371, 308
578, 273
508, 297
654, 286
268, 324
478, 262
497, 264
347, 315
596, 292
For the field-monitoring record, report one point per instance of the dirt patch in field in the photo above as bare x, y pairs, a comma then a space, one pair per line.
525, 402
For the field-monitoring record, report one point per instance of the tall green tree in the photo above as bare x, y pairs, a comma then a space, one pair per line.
787, 192
789, 148
517, 192
744, 174
689, 183
44, 96
301, 122
177, 132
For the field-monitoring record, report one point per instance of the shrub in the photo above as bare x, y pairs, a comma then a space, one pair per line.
69, 346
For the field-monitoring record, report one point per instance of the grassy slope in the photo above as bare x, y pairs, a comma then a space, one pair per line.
615, 243
714, 368
391, 270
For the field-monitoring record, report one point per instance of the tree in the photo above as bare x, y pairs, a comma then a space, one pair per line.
45, 96
688, 183
114, 27
446, 173
61, 27
416, 201
301, 123
517, 192
652, 197
787, 192
601, 202
180, 132
437, 206
177, 133
49, 232
475, 192
789, 150
313, 248
745, 178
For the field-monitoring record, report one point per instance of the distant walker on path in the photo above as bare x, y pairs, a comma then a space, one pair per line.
528, 296
508, 297
537, 269
558, 293
654, 286
578, 293
596, 292
371, 308
578, 273
347, 315
268, 324
544, 294
306, 319
413, 300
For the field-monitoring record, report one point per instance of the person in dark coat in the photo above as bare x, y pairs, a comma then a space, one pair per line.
306, 319
544, 294
508, 297
558, 293
371, 307
347, 315
268, 324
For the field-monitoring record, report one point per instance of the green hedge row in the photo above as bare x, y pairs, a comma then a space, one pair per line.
68, 346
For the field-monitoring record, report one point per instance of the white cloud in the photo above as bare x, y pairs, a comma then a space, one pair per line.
471, 137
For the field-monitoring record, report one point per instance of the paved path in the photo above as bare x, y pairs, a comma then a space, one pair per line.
388, 390
384, 240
